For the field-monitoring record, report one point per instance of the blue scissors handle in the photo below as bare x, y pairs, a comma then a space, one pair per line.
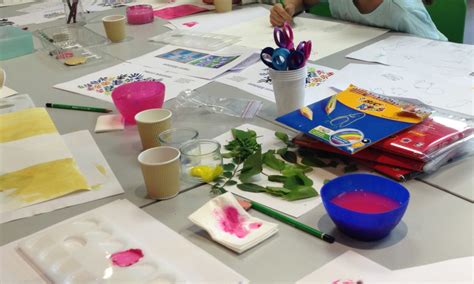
280, 58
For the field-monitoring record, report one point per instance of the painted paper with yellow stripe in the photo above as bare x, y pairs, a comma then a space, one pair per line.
35, 163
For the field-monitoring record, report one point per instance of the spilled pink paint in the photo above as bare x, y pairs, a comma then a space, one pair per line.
190, 24
232, 222
126, 257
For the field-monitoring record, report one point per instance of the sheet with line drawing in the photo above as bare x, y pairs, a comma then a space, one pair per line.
451, 93
406, 51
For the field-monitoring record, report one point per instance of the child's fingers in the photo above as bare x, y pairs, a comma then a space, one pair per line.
282, 12
276, 20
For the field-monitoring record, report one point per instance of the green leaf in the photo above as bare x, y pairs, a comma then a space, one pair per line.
282, 151
252, 166
277, 191
251, 187
301, 192
271, 161
228, 167
350, 168
290, 157
227, 174
231, 182
304, 168
227, 155
296, 181
282, 136
313, 162
326, 181
276, 178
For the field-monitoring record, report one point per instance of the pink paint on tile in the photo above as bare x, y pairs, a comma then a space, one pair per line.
255, 225
190, 24
126, 257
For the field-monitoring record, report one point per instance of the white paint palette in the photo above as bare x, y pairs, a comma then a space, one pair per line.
79, 252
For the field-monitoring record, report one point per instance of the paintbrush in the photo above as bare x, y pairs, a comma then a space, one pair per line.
247, 204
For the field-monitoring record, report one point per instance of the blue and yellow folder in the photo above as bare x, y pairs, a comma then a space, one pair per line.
354, 119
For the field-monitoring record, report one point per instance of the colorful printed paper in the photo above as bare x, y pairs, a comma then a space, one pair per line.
297, 208
353, 119
230, 225
178, 11
100, 84
35, 164
256, 80
194, 62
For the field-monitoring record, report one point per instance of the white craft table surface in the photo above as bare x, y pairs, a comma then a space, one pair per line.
438, 225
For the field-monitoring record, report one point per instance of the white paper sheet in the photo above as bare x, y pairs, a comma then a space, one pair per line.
6, 3
328, 37
354, 267
146, 230
452, 93
434, 57
6, 92
349, 266
256, 80
47, 12
293, 208
208, 22
194, 62
100, 84
92, 165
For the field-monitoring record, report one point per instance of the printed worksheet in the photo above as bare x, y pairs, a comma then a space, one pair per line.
435, 57
194, 62
100, 84
256, 80
446, 92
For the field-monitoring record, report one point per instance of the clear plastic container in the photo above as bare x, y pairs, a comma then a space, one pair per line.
64, 42
15, 42
199, 40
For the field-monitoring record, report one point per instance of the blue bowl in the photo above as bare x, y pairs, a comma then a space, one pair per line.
365, 226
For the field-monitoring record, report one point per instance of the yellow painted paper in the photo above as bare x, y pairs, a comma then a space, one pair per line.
43, 181
25, 123
101, 169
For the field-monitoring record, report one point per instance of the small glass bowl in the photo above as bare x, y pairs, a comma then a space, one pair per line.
200, 152
175, 137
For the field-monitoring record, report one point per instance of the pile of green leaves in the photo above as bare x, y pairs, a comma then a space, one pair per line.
249, 161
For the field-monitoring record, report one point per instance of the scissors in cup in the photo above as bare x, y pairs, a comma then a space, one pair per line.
282, 59
305, 48
284, 36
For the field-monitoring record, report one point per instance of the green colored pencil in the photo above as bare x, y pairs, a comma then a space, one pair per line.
84, 108
290, 221
282, 2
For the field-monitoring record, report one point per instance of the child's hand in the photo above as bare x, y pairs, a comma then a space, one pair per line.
211, 2
278, 14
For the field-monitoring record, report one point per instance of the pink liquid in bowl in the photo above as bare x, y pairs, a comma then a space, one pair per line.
132, 98
365, 202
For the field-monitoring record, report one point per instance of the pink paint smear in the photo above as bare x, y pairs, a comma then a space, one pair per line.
233, 223
190, 24
178, 11
126, 257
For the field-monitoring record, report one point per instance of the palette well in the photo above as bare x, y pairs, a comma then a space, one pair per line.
93, 250
230, 225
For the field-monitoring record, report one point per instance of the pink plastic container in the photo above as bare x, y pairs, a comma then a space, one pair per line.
132, 98
140, 14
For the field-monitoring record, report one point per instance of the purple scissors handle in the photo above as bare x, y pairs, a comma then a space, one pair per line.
296, 60
284, 36
305, 48
266, 56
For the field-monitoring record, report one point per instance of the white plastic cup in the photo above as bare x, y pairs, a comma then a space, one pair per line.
289, 89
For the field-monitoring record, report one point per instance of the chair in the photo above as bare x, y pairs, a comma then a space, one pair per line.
449, 16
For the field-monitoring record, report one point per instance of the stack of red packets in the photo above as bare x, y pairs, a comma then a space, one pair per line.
423, 148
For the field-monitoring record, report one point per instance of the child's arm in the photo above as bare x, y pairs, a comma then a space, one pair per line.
280, 14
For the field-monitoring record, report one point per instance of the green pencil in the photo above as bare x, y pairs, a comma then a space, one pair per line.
282, 2
84, 108
290, 221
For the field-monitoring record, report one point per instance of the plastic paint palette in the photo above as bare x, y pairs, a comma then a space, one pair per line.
79, 251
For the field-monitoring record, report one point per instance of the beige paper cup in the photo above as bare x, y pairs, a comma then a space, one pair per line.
223, 6
114, 26
161, 171
150, 124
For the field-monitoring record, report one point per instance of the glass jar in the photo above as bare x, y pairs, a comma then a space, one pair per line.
175, 137
200, 152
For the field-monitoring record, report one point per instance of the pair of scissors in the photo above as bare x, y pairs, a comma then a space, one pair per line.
282, 58
305, 48
284, 36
